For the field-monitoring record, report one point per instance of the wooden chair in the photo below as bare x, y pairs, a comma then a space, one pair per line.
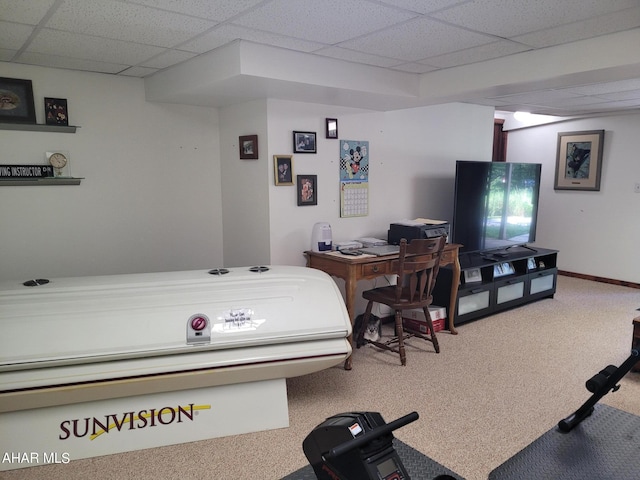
418, 266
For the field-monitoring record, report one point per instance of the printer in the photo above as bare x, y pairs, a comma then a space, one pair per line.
411, 230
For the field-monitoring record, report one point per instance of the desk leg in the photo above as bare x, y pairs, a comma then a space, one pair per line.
455, 281
350, 286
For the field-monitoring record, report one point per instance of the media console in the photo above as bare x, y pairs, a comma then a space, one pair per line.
493, 281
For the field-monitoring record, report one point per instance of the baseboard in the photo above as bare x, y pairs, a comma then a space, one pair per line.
599, 279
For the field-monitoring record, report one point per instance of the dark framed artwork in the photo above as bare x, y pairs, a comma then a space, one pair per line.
304, 142
283, 169
16, 101
579, 160
307, 190
55, 111
331, 128
248, 145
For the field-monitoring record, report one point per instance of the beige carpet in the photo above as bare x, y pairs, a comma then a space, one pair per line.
493, 389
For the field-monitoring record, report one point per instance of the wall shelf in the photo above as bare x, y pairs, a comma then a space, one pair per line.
22, 182
37, 127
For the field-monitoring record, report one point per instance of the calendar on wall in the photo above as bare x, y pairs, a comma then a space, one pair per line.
354, 178
354, 199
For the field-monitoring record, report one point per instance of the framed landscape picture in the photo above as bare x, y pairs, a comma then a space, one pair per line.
16, 101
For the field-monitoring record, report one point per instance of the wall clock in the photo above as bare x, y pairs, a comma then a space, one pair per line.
60, 163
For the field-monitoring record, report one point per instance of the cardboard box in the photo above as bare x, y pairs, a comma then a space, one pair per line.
414, 319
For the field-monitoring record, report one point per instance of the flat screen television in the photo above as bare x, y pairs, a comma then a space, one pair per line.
495, 204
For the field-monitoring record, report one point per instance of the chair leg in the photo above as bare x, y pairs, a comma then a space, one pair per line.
434, 339
359, 337
400, 335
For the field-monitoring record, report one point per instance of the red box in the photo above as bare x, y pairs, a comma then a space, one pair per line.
414, 319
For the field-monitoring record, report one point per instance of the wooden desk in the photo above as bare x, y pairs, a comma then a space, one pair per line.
366, 267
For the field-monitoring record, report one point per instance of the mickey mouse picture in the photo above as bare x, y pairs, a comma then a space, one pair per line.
354, 160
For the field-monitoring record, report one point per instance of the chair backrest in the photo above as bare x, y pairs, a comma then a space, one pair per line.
418, 265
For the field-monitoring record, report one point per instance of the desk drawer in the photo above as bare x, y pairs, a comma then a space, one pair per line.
447, 257
379, 268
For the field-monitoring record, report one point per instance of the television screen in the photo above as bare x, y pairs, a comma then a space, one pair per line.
495, 204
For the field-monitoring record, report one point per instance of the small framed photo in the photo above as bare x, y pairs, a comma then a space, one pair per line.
307, 190
304, 142
248, 145
472, 275
55, 111
331, 128
16, 101
283, 169
579, 160
531, 263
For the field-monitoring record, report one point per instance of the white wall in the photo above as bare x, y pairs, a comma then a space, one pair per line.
245, 187
412, 157
151, 197
596, 232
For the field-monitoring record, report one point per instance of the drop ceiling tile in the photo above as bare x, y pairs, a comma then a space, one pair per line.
608, 87
13, 35
218, 10
628, 95
575, 101
415, 68
138, 72
226, 33
497, 49
125, 21
357, 57
523, 16
7, 55
168, 58
24, 11
418, 39
538, 98
326, 21
88, 47
421, 6
572, 32
55, 61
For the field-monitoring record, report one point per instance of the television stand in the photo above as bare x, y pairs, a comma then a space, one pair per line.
491, 281
522, 246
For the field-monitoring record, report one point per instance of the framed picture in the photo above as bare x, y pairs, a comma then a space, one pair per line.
579, 160
248, 145
304, 142
472, 275
307, 190
55, 111
16, 101
283, 169
332, 127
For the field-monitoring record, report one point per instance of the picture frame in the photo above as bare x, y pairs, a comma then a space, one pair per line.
283, 169
307, 190
16, 101
331, 128
248, 147
472, 275
304, 142
579, 160
56, 111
